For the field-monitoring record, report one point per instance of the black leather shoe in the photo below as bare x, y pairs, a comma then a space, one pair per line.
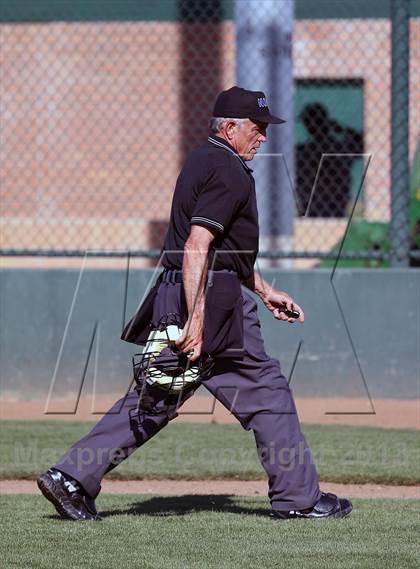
70, 505
91, 506
328, 506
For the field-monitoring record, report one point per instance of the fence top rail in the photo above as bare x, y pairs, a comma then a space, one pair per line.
156, 254
172, 10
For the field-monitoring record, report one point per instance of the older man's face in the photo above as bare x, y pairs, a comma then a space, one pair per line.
249, 137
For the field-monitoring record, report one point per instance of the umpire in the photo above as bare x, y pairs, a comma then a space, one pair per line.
209, 252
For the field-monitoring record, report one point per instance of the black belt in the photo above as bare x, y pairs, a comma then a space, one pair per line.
174, 276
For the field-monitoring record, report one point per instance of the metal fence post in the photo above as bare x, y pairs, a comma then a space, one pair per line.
400, 187
264, 62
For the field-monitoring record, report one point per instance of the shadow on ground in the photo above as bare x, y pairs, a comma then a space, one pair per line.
182, 505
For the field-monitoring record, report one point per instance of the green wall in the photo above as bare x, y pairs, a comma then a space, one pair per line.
41, 307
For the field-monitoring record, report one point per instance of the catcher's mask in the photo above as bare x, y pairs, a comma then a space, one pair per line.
164, 365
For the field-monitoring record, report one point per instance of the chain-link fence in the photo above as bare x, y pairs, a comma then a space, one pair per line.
101, 101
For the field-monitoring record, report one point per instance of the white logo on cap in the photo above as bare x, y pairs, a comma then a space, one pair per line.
262, 102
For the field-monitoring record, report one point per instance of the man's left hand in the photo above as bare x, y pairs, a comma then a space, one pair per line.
277, 300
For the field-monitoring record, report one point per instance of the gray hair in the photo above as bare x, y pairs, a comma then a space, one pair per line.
216, 123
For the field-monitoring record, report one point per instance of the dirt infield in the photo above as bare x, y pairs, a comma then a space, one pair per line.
218, 487
203, 409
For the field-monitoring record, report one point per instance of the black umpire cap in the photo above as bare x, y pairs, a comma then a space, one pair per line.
238, 103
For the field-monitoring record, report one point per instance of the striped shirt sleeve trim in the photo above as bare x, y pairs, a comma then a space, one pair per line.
198, 219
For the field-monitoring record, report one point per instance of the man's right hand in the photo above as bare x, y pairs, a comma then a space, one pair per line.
191, 340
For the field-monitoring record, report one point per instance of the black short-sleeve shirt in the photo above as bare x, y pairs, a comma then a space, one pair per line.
215, 189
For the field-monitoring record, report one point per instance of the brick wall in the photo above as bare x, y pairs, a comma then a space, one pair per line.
95, 118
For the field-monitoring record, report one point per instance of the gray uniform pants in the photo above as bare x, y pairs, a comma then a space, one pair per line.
252, 388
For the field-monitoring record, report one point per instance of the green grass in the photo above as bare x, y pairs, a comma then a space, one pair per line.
363, 236
193, 451
206, 532
374, 236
